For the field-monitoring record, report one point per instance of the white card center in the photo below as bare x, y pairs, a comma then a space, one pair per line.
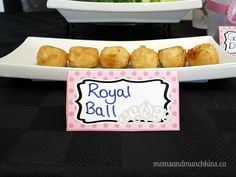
122, 100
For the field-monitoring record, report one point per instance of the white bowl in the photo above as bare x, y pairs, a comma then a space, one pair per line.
155, 12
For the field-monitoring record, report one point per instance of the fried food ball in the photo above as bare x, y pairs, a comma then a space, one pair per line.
114, 57
172, 57
204, 54
144, 57
51, 56
83, 57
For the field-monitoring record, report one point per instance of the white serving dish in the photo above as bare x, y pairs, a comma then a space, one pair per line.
159, 12
22, 63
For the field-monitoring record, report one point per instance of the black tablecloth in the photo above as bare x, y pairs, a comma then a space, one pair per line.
33, 140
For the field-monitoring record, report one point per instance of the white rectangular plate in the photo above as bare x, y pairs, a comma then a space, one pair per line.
22, 63
155, 12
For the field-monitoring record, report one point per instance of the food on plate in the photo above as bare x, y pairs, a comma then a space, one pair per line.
114, 57
51, 56
172, 57
119, 57
83, 57
144, 57
204, 54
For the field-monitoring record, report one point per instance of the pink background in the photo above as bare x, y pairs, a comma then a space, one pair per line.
74, 77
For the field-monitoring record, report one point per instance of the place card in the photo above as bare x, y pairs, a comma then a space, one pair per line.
228, 38
122, 100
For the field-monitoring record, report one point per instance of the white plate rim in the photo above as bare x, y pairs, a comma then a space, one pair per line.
32, 71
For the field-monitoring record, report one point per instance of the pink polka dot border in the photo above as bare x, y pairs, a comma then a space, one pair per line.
72, 107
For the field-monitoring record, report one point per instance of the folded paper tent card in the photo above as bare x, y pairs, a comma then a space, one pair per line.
228, 38
122, 100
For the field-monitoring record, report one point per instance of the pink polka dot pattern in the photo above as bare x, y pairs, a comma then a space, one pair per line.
105, 78
71, 125
174, 90
163, 125
100, 73
122, 73
174, 114
175, 102
88, 73
134, 73
71, 102
140, 126
71, 79
137, 75
128, 126
111, 73
94, 125
151, 126
174, 125
71, 114
71, 90
105, 125
140, 78
221, 36
117, 125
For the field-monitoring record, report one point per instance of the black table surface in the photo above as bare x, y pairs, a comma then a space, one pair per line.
33, 140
